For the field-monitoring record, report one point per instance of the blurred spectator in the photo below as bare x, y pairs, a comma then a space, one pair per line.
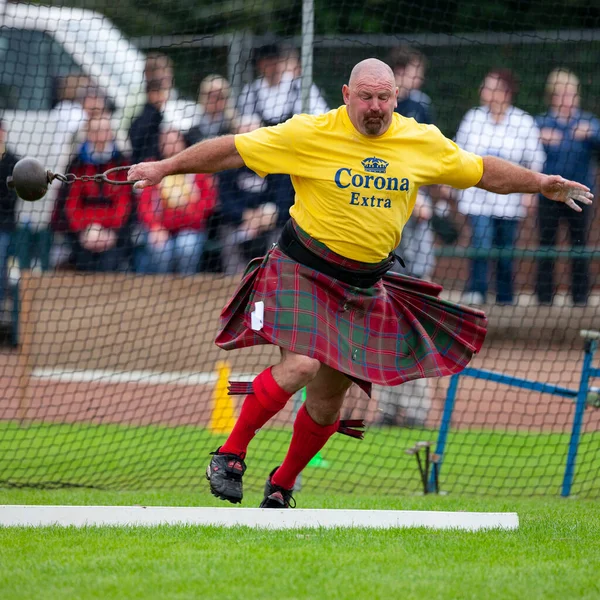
79, 101
275, 96
416, 246
570, 136
497, 128
8, 220
97, 214
217, 110
409, 404
69, 105
173, 216
293, 66
247, 212
145, 129
159, 67
408, 65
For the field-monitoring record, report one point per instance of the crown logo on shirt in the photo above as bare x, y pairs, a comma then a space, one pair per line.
375, 165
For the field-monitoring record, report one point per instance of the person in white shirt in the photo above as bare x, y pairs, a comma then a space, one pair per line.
274, 97
500, 129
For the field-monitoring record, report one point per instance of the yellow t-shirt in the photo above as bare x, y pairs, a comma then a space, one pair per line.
355, 193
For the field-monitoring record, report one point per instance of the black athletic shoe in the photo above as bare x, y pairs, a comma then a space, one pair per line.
225, 472
276, 496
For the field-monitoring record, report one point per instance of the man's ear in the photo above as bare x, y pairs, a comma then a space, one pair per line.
346, 94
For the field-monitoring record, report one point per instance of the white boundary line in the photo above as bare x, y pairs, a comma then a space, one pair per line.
138, 377
82, 516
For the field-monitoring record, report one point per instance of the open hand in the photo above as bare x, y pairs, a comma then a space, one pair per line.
560, 189
146, 174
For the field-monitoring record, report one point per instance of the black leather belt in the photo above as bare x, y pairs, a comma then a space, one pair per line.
291, 245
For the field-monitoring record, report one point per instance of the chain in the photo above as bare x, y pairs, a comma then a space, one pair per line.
70, 178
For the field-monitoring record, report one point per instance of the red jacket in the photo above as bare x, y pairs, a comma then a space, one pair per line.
90, 202
192, 215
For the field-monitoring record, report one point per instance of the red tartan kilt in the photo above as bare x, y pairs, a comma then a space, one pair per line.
395, 331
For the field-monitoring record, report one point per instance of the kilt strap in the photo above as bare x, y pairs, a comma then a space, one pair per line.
354, 428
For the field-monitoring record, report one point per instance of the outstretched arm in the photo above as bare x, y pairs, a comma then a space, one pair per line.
209, 156
503, 177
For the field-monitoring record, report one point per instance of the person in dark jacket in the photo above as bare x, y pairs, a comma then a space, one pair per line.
247, 211
145, 129
8, 202
571, 139
217, 110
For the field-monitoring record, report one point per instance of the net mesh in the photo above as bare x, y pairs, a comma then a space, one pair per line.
110, 299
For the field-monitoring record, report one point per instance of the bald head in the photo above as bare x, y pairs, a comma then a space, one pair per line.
371, 69
371, 96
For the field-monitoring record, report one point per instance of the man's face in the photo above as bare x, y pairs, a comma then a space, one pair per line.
410, 77
99, 132
494, 92
94, 106
565, 97
158, 98
371, 103
271, 67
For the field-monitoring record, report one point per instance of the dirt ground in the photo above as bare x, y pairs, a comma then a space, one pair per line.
478, 404
164, 324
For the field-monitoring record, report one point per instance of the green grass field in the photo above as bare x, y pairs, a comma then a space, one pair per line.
124, 457
554, 554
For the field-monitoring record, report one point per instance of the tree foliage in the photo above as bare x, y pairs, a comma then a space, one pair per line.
283, 17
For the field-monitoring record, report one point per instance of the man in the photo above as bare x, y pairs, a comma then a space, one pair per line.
145, 129
96, 214
8, 219
275, 94
274, 97
409, 404
324, 294
408, 65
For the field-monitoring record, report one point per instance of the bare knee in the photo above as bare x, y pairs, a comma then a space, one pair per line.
295, 371
325, 396
304, 367
325, 410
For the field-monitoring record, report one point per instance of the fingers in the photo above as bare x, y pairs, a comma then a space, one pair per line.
141, 184
571, 204
132, 173
585, 197
579, 195
577, 186
137, 173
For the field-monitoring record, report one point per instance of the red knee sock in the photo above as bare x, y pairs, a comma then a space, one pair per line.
308, 438
266, 401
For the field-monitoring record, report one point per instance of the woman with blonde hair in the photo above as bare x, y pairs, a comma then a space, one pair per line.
570, 136
216, 107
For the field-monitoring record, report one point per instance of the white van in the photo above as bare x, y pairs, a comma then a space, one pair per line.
40, 44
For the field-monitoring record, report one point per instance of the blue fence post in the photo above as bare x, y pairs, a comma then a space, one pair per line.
444, 428
580, 402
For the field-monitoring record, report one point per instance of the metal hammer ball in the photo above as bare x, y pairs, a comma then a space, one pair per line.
29, 179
